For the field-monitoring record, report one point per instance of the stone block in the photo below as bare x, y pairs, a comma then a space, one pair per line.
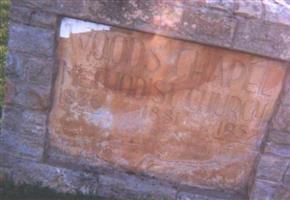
286, 88
64, 7
266, 190
2, 177
37, 41
177, 21
34, 125
5, 175
277, 149
25, 122
286, 179
27, 95
279, 137
60, 179
206, 21
31, 69
5, 157
10, 91
21, 146
170, 19
281, 120
285, 96
265, 39
33, 17
199, 194
12, 117
210, 28
277, 11
285, 99
188, 196
14, 65
272, 168
249, 8
129, 187
221, 5
33, 3
283, 193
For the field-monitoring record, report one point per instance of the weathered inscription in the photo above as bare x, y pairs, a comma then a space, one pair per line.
169, 108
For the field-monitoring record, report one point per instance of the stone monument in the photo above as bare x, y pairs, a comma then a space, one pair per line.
178, 100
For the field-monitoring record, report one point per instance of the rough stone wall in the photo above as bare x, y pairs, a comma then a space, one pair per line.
273, 169
261, 27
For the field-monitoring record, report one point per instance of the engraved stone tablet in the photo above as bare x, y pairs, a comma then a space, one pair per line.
168, 108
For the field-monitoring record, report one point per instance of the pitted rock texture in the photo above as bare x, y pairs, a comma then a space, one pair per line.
168, 108
213, 22
260, 27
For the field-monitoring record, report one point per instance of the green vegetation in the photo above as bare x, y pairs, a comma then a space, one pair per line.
9, 191
4, 12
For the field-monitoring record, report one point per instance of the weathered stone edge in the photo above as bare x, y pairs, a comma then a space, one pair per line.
272, 174
234, 25
110, 184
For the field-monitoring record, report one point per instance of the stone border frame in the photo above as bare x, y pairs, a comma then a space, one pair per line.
32, 66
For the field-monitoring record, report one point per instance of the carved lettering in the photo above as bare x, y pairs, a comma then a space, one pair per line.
162, 106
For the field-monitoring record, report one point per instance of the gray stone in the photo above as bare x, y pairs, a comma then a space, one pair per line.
20, 145
4, 174
286, 179
265, 190
272, 167
279, 150
33, 17
67, 7
192, 20
281, 120
154, 16
283, 193
209, 28
264, 39
33, 3
286, 88
27, 123
249, 8
98, 10
32, 40
188, 196
23, 132
14, 65
61, 179
172, 20
208, 195
277, 11
130, 187
34, 124
12, 118
28, 95
31, 69
279, 137
285, 99
5, 158
223, 5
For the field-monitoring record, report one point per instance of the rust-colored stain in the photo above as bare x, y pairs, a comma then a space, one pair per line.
168, 108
